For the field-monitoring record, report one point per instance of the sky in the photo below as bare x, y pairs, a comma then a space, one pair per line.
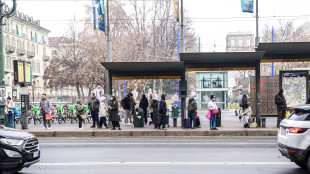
212, 19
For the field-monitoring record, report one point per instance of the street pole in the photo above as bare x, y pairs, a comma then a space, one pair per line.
109, 45
60, 74
182, 50
257, 39
272, 69
3, 14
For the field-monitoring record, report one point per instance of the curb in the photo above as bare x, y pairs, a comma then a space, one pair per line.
157, 133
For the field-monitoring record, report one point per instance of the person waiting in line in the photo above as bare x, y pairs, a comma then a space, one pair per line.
214, 110
80, 112
132, 108
113, 112
103, 113
281, 106
163, 111
93, 106
144, 104
246, 113
151, 109
9, 112
192, 109
127, 107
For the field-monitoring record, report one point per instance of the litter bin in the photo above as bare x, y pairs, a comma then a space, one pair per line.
138, 118
175, 114
219, 118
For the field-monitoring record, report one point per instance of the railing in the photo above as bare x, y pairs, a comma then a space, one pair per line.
46, 58
10, 49
21, 52
30, 54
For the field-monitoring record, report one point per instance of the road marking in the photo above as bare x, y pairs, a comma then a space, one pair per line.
162, 163
142, 143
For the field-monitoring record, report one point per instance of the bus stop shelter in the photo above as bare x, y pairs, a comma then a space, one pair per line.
266, 52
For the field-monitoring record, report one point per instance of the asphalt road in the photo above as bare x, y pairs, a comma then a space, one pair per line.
216, 155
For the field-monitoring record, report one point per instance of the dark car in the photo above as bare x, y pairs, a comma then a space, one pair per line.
17, 149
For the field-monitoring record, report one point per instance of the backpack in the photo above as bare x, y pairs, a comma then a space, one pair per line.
159, 105
122, 102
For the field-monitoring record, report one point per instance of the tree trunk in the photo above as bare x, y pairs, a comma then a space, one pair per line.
154, 86
82, 91
78, 90
160, 87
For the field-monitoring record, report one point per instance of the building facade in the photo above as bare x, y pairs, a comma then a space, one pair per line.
25, 40
240, 41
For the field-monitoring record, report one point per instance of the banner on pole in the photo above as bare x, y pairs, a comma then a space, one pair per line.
98, 11
247, 6
176, 6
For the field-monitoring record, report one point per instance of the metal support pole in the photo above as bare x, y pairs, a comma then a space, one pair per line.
257, 75
183, 102
257, 39
109, 78
109, 44
3, 14
182, 45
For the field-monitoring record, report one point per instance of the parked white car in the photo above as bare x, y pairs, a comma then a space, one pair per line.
294, 136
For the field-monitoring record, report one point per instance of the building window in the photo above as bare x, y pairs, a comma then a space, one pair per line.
33, 66
232, 43
13, 42
18, 44
37, 49
8, 62
8, 41
248, 43
240, 43
44, 52
28, 47
38, 67
32, 48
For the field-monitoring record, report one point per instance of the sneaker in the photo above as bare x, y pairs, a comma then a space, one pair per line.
215, 129
99, 127
211, 128
92, 127
107, 127
113, 128
48, 128
119, 128
164, 129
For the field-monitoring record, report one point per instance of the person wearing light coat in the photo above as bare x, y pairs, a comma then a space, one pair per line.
103, 113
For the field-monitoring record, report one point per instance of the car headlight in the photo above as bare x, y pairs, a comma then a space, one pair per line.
12, 142
11, 153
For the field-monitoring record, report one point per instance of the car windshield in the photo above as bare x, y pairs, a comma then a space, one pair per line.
300, 115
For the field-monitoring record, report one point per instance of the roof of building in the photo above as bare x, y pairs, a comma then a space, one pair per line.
144, 70
240, 33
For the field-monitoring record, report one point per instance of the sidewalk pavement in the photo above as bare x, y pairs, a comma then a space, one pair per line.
231, 126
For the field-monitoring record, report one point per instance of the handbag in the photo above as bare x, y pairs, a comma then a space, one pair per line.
84, 116
208, 114
48, 117
215, 111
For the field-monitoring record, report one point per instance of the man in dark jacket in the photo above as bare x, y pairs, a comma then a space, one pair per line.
127, 107
144, 103
281, 106
192, 109
163, 111
93, 106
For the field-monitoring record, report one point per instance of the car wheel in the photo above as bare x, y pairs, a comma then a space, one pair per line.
301, 165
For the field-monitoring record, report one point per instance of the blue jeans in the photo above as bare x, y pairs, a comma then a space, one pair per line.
192, 118
213, 121
10, 120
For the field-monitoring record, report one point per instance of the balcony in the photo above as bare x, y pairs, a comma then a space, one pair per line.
30, 54
46, 58
10, 49
21, 52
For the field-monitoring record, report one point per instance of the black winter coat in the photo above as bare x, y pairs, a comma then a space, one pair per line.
163, 107
126, 104
280, 102
144, 104
113, 112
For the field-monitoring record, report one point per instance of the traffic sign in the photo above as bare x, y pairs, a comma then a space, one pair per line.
29, 88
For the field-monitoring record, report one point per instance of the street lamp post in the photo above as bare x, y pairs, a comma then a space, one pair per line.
60, 74
3, 14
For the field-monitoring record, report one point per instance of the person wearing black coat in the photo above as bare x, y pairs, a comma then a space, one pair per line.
113, 113
281, 106
144, 103
93, 106
163, 111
